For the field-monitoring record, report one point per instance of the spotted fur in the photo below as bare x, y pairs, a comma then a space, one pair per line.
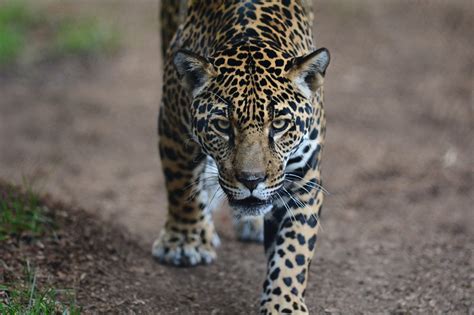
242, 118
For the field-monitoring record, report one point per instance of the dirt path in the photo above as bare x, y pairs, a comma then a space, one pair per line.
398, 227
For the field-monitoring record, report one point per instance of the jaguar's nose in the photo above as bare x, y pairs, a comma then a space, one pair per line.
250, 180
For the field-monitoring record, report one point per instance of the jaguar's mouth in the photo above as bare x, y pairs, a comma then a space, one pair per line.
249, 202
251, 206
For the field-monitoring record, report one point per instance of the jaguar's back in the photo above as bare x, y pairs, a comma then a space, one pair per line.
221, 20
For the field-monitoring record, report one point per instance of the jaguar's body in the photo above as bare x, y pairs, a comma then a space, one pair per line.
242, 117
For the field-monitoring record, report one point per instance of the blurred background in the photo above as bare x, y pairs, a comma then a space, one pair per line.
79, 95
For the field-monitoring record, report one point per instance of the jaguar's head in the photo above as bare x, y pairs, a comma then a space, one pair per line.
252, 107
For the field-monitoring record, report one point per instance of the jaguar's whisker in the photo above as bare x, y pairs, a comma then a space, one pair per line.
310, 183
288, 211
301, 202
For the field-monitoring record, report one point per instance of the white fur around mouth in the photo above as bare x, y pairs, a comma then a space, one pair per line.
246, 208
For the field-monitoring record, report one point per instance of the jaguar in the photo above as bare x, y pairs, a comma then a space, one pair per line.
242, 119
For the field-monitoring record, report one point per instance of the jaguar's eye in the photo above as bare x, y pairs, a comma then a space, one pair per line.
221, 125
280, 125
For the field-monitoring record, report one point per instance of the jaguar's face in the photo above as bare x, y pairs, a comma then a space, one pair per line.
250, 114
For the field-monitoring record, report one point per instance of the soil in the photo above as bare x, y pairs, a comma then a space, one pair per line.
397, 228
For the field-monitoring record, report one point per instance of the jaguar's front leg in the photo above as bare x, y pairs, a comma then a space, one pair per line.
290, 238
188, 237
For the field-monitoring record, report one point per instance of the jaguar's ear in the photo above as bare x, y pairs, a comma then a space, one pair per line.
194, 70
308, 71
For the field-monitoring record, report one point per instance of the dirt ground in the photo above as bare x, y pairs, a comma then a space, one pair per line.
398, 226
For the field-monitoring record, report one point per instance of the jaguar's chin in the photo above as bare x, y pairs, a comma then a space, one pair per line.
250, 206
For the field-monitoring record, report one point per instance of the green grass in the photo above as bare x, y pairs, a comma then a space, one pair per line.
21, 214
26, 297
11, 44
15, 20
61, 34
81, 37
16, 13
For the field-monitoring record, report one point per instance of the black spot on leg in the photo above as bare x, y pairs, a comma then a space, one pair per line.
266, 284
301, 239
300, 260
301, 218
294, 291
280, 240
287, 281
295, 306
312, 222
301, 276
312, 242
275, 273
